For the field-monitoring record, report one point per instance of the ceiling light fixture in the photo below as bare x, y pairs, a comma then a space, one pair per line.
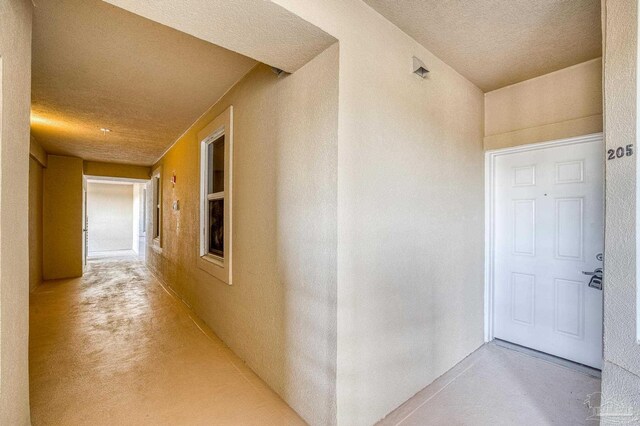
104, 130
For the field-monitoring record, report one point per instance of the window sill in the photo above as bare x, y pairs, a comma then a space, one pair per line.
155, 245
215, 267
219, 261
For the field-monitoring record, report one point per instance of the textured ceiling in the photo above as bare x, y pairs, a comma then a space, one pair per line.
97, 66
495, 43
260, 29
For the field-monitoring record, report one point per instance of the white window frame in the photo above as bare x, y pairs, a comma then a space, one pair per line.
156, 203
219, 267
144, 213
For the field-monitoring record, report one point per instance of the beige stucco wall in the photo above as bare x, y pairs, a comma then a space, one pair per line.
35, 222
280, 313
37, 152
62, 218
110, 216
116, 170
15, 99
410, 212
37, 161
621, 373
558, 105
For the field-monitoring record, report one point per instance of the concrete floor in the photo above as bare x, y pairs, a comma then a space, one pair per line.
499, 386
115, 348
99, 256
119, 254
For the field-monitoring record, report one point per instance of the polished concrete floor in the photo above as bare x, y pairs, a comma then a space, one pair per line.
99, 256
115, 348
498, 386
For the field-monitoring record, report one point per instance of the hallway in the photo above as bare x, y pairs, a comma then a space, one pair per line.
114, 347
343, 206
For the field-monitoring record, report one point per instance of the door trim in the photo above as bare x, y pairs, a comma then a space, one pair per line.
489, 226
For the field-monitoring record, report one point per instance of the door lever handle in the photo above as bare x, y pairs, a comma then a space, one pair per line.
596, 278
598, 271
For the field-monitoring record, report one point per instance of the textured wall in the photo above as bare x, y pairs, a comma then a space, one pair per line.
37, 152
621, 374
96, 168
558, 105
15, 99
62, 218
280, 313
410, 213
35, 223
111, 216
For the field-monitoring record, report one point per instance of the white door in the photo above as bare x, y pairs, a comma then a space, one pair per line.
548, 229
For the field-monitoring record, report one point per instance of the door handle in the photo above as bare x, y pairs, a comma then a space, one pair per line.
596, 278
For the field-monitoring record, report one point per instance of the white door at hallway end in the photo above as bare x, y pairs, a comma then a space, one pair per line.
548, 234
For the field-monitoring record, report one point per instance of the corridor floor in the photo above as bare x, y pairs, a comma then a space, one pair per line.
115, 348
496, 386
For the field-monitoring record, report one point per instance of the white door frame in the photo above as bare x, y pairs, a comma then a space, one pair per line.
489, 226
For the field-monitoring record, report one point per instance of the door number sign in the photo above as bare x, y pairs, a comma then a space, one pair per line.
620, 152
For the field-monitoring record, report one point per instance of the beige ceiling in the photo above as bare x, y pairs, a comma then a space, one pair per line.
97, 66
495, 43
259, 29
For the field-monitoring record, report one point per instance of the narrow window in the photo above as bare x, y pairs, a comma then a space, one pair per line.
215, 200
156, 191
156, 216
214, 226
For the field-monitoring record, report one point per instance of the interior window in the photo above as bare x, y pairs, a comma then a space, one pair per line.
215, 197
157, 206
216, 192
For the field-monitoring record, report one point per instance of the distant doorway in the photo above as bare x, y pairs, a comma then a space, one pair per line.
115, 219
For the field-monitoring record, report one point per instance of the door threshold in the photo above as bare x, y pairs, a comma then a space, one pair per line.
581, 368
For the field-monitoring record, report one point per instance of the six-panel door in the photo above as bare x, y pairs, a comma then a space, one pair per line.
548, 224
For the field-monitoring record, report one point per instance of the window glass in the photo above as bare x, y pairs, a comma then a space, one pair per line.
156, 200
216, 227
215, 157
